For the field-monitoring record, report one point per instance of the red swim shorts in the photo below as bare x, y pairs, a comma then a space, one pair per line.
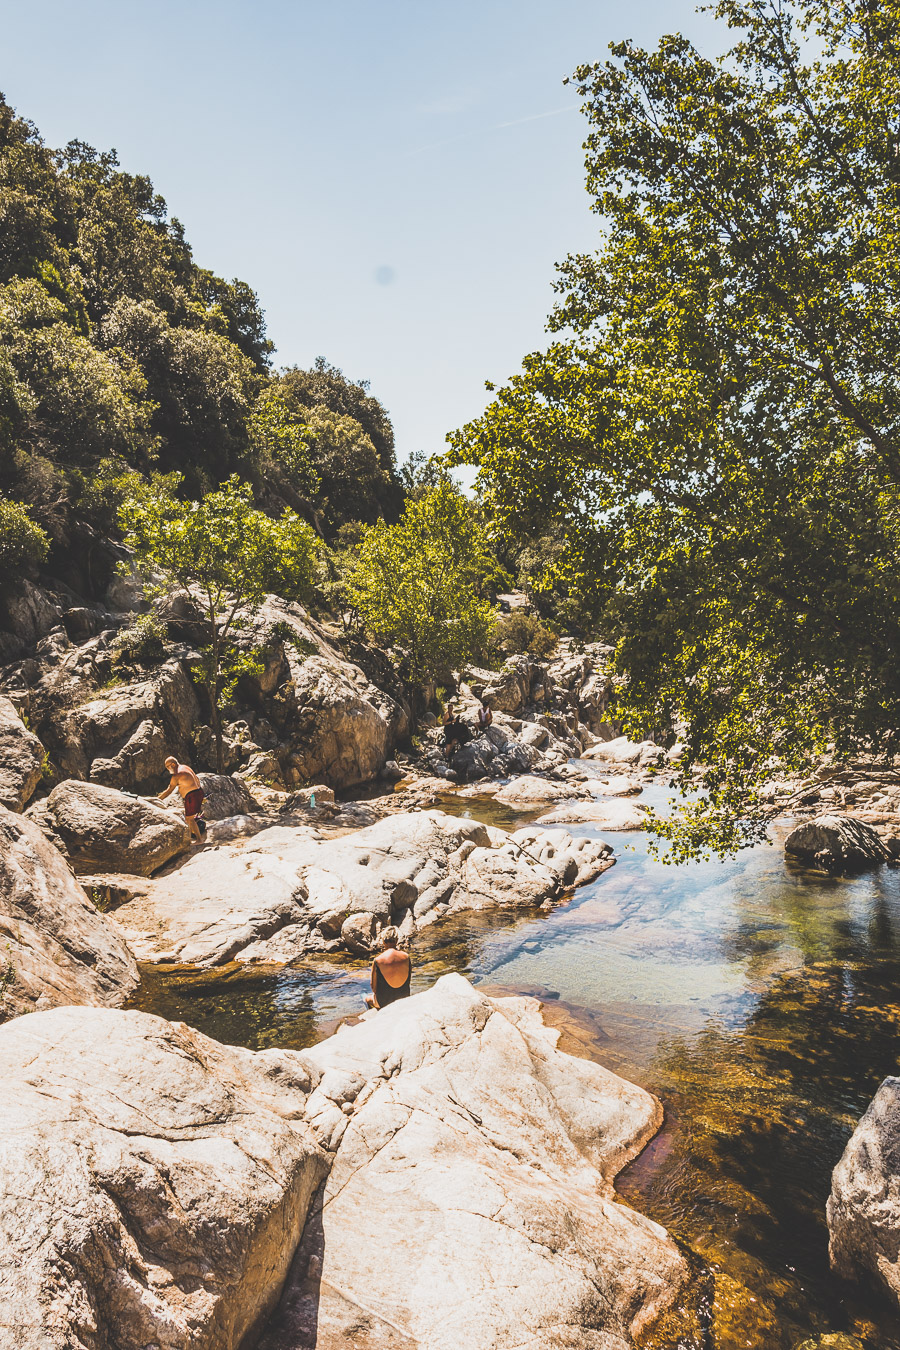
193, 800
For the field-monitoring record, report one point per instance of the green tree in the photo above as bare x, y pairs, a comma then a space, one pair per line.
717, 428
21, 540
417, 584
227, 552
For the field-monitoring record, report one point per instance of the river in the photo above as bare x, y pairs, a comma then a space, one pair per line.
760, 1001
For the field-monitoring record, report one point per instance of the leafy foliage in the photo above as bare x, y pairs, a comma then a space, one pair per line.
417, 584
231, 552
716, 430
141, 643
21, 540
518, 632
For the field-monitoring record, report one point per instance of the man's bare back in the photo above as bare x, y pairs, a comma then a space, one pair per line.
184, 778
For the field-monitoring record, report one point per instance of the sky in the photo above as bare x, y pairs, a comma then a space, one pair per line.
395, 178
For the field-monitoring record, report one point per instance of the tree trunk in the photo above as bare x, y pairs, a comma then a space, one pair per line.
214, 702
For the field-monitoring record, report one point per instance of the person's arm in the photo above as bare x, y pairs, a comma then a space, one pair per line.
374, 986
171, 788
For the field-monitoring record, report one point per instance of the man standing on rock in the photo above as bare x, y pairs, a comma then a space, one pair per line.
188, 784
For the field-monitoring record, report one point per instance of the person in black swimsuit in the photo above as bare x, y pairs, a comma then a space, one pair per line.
391, 970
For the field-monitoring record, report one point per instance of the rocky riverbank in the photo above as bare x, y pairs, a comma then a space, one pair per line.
438, 1176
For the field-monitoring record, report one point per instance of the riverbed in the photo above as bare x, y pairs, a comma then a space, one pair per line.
760, 1001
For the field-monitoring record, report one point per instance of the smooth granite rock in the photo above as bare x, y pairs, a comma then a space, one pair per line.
470, 1205
864, 1206
836, 842
21, 759
104, 830
57, 946
153, 1183
288, 891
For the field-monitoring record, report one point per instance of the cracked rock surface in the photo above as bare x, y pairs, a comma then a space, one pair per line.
154, 1183
288, 891
470, 1202
57, 947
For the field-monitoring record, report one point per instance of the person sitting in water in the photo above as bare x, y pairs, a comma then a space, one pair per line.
391, 970
183, 778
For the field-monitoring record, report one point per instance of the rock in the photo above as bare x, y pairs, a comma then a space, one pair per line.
358, 933
606, 815
105, 830
288, 891
531, 791
121, 737
58, 948
837, 843
512, 686
617, 786
220, 902
30, 613
226, 796
476, 1168
863, 1209
21, 759
340, 726
623, 751
324, 796
155, 1184
391, 773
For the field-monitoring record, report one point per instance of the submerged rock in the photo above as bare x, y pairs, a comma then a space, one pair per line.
837, 843
55, 945
864, 1207
289, 891
470, 1203
104, 830
153, 1183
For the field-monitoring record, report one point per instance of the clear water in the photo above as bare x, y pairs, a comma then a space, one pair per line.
759, 1001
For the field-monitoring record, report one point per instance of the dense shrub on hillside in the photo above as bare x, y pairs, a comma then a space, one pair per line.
520, 632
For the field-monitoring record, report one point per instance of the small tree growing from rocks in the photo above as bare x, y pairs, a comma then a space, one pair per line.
230, 553
417, 584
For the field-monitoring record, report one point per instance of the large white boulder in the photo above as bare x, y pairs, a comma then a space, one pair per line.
470, 1203
613, 814
864, 1207
288, 891
153, 1183
104, 830
54, 944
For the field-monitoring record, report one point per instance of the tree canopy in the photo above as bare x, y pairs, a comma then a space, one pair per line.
716, 426
418, 584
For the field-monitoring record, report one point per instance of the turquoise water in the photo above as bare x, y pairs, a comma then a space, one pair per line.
760, 1001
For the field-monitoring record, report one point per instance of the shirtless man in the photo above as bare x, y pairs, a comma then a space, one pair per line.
188, 784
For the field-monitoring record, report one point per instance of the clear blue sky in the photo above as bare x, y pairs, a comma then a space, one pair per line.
395, 178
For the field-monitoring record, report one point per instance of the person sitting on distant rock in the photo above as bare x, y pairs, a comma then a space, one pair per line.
183, 778
485, 717
456, 733
391, 970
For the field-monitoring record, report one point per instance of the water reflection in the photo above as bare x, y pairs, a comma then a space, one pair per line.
761, 1002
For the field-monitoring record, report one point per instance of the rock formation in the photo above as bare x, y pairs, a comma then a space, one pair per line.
864, 1207
470, 1202
54, 944
155, 1185
102, 830
288, 891
837, 843
21, 759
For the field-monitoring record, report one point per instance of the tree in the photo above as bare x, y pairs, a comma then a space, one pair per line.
225, 549
417, 583
21, 540
717, 428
